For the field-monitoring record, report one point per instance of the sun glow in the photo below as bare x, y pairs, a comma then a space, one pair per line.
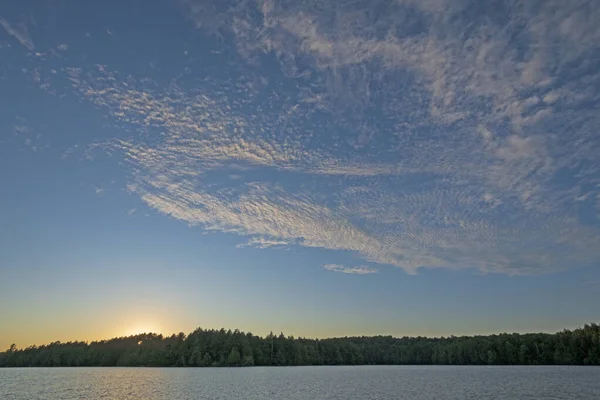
143, 328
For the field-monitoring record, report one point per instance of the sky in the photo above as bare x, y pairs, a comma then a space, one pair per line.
321, 168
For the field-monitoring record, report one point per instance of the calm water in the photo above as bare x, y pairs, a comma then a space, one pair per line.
310, 383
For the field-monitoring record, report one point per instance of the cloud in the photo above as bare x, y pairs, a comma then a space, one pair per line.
28, 136
414, 134
20, 33
99, 191
350, 270
264, 211
263, 243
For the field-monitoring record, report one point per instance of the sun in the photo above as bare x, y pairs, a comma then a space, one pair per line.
143, 328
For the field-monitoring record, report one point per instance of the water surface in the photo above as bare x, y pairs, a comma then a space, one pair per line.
302, 383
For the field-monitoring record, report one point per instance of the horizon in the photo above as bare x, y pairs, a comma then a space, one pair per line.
319, 168
287, 335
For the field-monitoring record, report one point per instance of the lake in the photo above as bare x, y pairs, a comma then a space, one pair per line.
302, 383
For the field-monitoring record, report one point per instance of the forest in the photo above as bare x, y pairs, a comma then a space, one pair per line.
227, 348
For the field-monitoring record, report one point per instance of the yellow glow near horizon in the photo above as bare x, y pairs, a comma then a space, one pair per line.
143, 328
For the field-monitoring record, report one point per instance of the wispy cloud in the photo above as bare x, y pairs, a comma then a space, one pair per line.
263, 243
28, 136
362, 270
20, 33
434, 135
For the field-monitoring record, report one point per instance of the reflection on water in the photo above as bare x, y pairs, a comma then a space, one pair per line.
310, 383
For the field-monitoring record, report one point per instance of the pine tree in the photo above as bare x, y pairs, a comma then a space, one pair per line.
234, 358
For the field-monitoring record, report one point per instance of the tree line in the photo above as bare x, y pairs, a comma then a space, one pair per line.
219, 348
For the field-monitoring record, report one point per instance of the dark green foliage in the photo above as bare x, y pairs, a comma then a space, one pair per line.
216, 348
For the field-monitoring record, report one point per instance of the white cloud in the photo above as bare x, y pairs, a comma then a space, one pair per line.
28, 135
450, 225
267, 213
263, 243
425, 137
362, 270
20, 33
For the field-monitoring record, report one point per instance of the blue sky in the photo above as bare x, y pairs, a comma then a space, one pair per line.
322, 168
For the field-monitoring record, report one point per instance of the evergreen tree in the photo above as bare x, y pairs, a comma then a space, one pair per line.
234, 359
217, 348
